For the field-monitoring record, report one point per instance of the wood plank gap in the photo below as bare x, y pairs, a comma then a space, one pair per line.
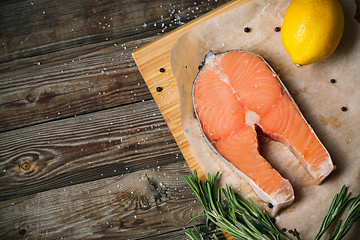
63, 117
207, 233
85, 148
135, 205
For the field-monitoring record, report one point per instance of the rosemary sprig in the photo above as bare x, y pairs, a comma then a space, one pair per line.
251, 212
241, 219
339, 202
192, 235
353, 215
244, 220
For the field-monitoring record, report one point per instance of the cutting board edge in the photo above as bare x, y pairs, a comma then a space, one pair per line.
155, 55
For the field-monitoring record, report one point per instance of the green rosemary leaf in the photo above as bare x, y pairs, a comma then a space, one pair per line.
337, 229
353, 216
339, 202
207, 222
296, 233
192, 235
238, 217
252, 229
197, 217
237, 202
243, 219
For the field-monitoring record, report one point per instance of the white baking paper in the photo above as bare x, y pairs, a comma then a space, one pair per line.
319, 100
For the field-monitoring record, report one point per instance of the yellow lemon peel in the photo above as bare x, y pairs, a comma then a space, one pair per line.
312, 30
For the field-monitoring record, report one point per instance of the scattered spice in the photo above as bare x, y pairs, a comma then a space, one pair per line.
333, 81
277, 29
159, 89
283, 229
291, 231
344, 109
162, 69
246, 29
270, 205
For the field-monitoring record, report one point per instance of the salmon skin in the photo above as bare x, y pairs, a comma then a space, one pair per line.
236, 92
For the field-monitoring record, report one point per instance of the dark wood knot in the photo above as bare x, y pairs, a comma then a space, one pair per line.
30, 98
22, 232
25, 166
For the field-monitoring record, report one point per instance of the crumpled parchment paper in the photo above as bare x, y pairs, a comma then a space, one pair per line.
319, 100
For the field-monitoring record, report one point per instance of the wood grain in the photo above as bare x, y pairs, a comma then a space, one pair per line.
56, 26
63, 88
84, 148
63, 59
140, 205
84, 151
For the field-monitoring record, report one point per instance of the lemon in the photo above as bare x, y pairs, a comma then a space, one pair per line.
312, 30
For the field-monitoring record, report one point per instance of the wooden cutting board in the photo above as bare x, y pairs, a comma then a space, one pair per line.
154, 56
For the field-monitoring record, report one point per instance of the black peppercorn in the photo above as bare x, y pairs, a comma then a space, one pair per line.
277, 29
291, 231
270, 205
283, 229
332, 80
162, 69
246, 29
159, 89
344, 109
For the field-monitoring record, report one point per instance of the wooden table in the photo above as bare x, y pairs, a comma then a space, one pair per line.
84, 151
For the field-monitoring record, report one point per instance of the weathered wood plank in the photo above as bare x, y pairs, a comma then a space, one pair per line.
137, 205
63, 59
84, 148
33, 28
64, 88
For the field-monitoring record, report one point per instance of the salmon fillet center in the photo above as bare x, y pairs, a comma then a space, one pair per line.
236, 91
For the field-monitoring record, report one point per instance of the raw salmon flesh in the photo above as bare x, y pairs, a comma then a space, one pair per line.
236, 92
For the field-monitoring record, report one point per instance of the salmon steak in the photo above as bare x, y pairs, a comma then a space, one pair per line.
234, 94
